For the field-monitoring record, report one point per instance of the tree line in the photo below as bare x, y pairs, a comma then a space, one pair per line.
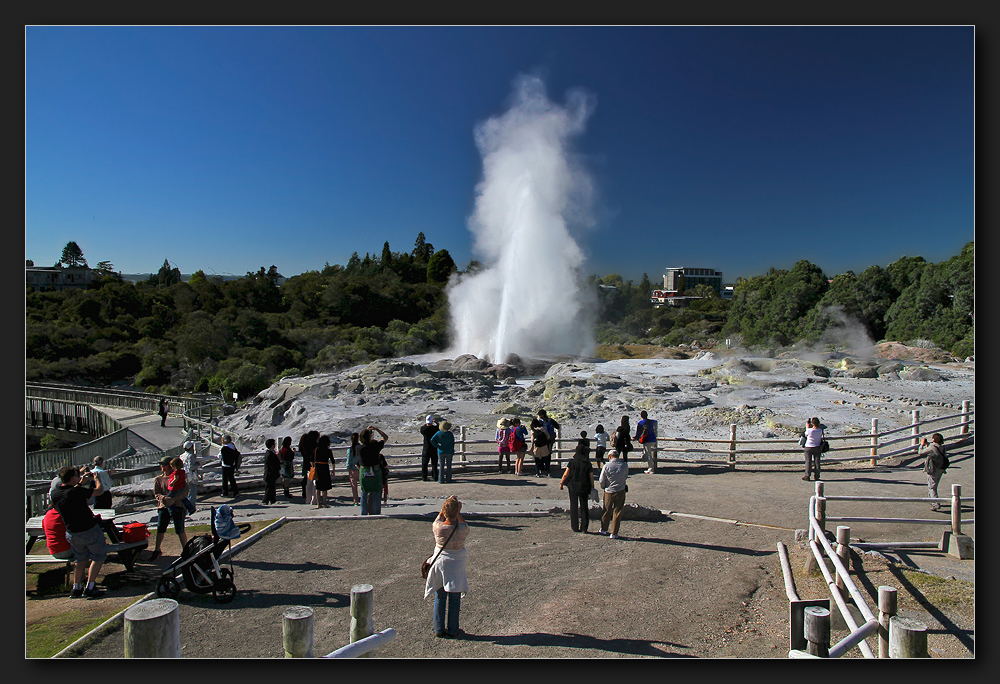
215, 335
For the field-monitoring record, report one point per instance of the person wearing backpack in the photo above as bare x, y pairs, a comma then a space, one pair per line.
935, 463
540, 449
623, 439
444, 441
230, 458
579, 475
645, 434
552, 428
518, 444
374, 471
503, 442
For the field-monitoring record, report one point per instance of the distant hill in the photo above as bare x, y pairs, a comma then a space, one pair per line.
185, 277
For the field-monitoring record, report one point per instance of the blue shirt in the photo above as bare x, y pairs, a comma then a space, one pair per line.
444, 440
641, 425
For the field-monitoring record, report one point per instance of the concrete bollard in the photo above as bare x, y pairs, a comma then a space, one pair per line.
297, 632
817, 631
954, 542
907, 638
886, 611
362, 608
153, 629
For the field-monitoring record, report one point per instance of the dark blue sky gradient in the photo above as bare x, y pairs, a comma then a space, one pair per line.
735, 148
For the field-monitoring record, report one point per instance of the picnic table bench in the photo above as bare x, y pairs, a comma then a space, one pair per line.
126, 552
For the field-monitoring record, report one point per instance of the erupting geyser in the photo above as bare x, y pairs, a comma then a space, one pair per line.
527, 298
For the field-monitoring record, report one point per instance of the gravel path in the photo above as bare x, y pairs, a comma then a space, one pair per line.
693, 584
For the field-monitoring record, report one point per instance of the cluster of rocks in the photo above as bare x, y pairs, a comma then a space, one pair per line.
568, 393
467, 390
630, 511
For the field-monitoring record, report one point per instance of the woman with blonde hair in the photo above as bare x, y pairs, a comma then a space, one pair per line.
447, 578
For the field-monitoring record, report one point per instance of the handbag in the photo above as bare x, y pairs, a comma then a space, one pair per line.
312, 472
824, 446
425, 567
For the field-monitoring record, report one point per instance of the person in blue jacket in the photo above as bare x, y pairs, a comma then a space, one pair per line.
645, 434
444, 441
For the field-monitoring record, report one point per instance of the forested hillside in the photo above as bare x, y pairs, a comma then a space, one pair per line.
240, 335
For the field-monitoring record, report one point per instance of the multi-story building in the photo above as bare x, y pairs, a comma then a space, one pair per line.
58, 277
678, 280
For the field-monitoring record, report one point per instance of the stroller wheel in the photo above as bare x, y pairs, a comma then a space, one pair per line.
168, 587
224, 590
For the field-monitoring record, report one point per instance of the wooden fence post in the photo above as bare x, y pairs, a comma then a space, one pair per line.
732, 446
820, 507
886, 611
915, 429
843, 553
362, 607
874, 440
153, 629
817, 631
297, 632
461, 431
907, 638
965, 418
956, 509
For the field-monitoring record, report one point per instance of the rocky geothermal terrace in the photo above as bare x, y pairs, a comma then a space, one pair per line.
697, 397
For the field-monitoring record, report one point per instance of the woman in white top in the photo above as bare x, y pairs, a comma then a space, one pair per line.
447, 578
814, 447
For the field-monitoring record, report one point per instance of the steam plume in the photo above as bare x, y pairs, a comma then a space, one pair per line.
527, 298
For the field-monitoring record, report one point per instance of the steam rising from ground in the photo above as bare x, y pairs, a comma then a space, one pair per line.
843, 333
527, 299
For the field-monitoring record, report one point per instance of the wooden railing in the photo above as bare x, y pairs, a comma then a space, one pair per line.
128, 399
811, 629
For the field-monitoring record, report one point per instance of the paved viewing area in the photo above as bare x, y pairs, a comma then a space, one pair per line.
705, 574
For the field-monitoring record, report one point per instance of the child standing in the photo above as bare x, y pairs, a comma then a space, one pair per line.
503, 442
601, 437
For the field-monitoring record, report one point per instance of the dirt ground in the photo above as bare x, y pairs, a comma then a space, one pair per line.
704, 581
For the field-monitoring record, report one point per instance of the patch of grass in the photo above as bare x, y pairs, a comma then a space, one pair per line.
45, 638
940, 591
48, 633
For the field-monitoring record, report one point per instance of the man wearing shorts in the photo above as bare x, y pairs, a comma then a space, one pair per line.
72, 500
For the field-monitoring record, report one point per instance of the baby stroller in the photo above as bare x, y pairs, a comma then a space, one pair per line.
199, 562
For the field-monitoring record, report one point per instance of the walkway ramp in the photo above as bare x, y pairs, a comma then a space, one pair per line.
144, 431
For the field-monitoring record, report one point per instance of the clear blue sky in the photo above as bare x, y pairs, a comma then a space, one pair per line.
735, 148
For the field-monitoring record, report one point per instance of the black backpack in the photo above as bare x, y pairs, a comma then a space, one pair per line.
621, 439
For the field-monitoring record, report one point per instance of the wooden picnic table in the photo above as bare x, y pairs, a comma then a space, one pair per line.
127, 552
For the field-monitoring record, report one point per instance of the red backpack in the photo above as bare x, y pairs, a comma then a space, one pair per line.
514, 441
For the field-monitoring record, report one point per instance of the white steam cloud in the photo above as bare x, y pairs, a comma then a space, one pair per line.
527, 299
